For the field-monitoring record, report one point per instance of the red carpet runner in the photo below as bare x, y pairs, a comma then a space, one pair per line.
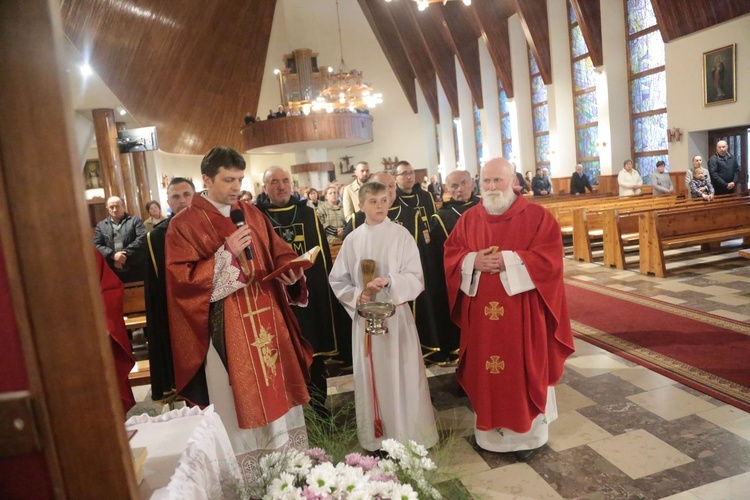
700, 350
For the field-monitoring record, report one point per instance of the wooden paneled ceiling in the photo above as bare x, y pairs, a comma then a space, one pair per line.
190, 67
194, 68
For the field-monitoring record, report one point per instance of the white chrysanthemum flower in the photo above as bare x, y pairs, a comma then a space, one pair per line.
427, 464
381, 489
322, 479
299, 464
403, 492
417, 449
349, 479
282, 488
388, 467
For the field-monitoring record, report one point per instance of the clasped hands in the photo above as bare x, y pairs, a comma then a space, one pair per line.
240, 239
371, 289
487, 261
120, 258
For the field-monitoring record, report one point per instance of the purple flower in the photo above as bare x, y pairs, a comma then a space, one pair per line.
318, 454
309, 495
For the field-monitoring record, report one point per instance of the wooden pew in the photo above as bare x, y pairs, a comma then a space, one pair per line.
663, 230
621, 227
134, 310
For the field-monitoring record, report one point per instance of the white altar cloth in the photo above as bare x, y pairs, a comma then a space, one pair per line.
189, 455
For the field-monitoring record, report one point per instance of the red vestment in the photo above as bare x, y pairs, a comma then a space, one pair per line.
512, 347
112, 289
266, 356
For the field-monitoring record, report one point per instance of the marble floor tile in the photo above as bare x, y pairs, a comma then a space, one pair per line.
740, 427
672, 286
718, 290
668, 299
730, 488
670, 402
583, 348
456, 421
723, 415
583, 277
644, 378
730, 300
568, 399
593, 365
572, 429
622, 288
730, 315
685, 495
639, 453
517, 481
457, 458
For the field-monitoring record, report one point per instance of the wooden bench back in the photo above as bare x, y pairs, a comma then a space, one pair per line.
133, 298
670, 224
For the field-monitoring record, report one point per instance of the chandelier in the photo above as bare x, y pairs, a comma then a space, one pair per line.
423, 4
345, 88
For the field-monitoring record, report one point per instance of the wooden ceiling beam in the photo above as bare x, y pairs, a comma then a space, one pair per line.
416, 51
464, 33
492, 16
678, 19
385, 32
533, 15
589, 16
437, 40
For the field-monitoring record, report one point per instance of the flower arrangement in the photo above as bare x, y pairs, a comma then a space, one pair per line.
312, 476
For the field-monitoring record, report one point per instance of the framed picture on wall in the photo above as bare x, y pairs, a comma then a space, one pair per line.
720, 76
92, 175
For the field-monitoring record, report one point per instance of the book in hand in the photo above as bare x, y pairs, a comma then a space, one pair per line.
304, 261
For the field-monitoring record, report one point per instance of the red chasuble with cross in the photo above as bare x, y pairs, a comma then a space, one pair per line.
266, 357
512, 347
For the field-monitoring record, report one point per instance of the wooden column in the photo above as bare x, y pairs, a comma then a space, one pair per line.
109, 156
141, 179
49, 251
130, 185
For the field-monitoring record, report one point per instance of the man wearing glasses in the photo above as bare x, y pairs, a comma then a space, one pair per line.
411, 194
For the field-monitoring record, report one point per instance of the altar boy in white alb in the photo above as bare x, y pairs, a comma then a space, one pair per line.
397, 405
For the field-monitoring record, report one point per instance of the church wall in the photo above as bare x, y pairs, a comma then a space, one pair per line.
467, 136
523, 129
397, 130
491, 132
685, 107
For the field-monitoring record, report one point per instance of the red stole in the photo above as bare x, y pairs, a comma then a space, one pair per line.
512, 348
267, 357
112, 289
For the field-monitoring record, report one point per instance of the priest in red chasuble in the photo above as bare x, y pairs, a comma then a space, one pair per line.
504, 273
235, 340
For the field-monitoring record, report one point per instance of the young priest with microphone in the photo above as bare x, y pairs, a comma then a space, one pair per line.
235, 340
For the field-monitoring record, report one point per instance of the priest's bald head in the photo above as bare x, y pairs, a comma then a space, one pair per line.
459, 185
390, 184
498, 177
278, 186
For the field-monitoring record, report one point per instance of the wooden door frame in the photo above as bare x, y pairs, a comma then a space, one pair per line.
48, 247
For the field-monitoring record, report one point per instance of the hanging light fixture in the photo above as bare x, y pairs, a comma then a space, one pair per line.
423, 4
345, 89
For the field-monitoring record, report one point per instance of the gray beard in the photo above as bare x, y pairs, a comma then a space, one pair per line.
497, 202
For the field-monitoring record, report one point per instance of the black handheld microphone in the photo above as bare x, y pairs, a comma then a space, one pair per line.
238, 217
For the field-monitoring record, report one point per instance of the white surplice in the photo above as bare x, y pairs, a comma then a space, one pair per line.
400, 380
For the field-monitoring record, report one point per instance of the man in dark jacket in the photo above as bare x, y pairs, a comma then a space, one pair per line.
121, 239
724, 169
579, 182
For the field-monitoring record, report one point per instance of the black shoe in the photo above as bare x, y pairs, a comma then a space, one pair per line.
526, 455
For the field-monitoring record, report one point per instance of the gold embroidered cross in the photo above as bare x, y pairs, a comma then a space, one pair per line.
494, 312
494, 365
254, 313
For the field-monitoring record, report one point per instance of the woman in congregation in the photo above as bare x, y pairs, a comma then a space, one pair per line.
331, 215
154, 210
313, 200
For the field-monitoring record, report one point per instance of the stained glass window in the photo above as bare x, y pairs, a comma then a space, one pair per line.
541, 119
540, 114
507, 149
538, 90
506, 135
584, 76
585, 102
578, 43
478, 134
586, 142
640, 15
649, 92
505, 125
503, 101
542, 148
646, 52
587, 110
649, 133
571, 14
456, 144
